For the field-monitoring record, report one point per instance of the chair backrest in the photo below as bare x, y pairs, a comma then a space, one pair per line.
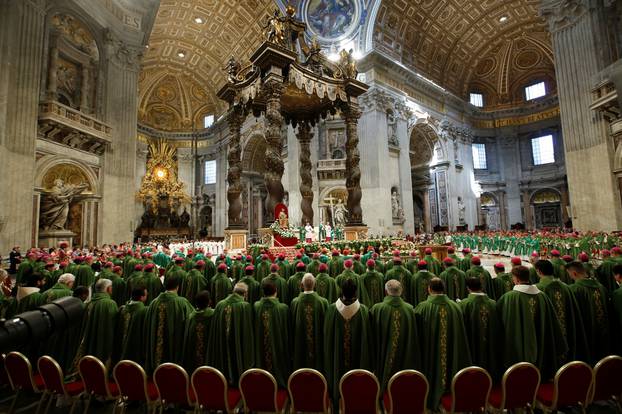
408, 392
52, 375
19, 371
359, 390
95, 376
132, 380
210, 388
607, 382
572, 384
470, 388
308, 391
4, 377
173, 384
258, 388
520, 385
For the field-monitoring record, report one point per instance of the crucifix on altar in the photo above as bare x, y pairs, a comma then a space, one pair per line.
290, 81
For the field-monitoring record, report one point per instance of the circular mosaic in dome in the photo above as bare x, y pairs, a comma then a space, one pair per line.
527, 59
331, 19
486, 67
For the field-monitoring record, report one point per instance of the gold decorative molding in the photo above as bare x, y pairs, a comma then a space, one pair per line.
69, 173
518, 120
177, 143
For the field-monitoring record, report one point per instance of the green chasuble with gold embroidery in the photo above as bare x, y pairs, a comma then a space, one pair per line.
164, 329
402, 275
85, 276
28, 298
281, 287
434, 266
569, 317
262, 270
56, 292
152, 283
604, 274
230, 345
326, 287
119, 289
347, 342
443, 341
502, 283
220, 287
307, 316
531, 332
372, 288
98, 328
483, 275
455, 282
195, 283
419, 292
394, 333
272, 346
131, 331
196, 337
482, 326
293, 287
348, 274
210, 270
592, 299
335, 266
254, 289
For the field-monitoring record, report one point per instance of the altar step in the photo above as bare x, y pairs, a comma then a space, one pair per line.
289, 252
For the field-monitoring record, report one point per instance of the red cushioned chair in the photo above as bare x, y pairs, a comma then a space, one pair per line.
96, 383
173, 386
4, 378
607, 384
133, 385
308, 392
261, 393
518, 388
360, 391
20, 375
470, 388
212, 391
54, 385
407, 393
571, 387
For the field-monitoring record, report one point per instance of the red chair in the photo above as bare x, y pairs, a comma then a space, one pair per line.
470, 388
173, 386
308, 392
261, 393
54, 385
407, 393
607, 384
213, 392
4, 378
96, 382
571, 387
360, 391
518, 388
133, 385
20, 375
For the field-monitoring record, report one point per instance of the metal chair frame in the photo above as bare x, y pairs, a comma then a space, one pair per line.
342, 404
325, 400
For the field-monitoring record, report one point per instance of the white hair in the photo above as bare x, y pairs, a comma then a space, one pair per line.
66, 279
308, 281
240, 288
393, 287
102, 285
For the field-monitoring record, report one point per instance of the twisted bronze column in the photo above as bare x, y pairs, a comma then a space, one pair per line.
234, 171
306, 179
274, 138
353, 172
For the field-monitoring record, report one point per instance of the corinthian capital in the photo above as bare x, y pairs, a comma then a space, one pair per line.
562, 13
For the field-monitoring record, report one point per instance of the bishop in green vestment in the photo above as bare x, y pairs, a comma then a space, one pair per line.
465, 262
335, 264
434, 266
531, 332
210, 268
401, 274
371, 285
604, 272
478, 271
293, 284
195, 282
592, 299
503, 281
347, 338
61, 289
131, 326
482, 326
197, 332
454, 279
325, 285
220, 287
307, 316
254, 287
357, 266
420, 283
85, 276
272, 341
164, 326
263, 268
394, 332
230, 347
348, 273
98, 329
29, 297
281, 284
443, 341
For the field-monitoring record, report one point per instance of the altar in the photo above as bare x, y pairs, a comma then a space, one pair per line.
279, 234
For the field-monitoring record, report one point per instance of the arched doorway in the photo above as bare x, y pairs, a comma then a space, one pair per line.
254, 214
546, 205
490, 214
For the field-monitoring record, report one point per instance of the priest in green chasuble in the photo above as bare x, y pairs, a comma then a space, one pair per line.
443, 340
420, 283
230, 347
61, 289
348, 273
401, 274
434, 266
325, 286
164, 328
195, 282
335, 265
29, 297
272, 341
347, 338
530, 329
372, 285
454, 279
307, 315
220, 287
131, 324
149, 280
478, 271
503, 281
254, 287
281, 284
293, 284
394, 332
197, 332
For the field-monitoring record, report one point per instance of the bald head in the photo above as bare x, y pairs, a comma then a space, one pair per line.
393, 288
308, 282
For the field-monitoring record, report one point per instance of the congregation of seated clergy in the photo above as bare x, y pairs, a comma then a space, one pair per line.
332, 311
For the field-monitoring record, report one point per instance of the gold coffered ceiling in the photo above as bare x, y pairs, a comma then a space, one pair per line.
183, 66
446, 40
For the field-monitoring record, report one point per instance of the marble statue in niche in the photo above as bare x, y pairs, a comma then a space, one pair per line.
341, 214
55, 204
397, 211
461, 212
392, 128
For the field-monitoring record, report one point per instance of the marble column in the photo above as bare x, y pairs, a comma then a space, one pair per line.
353, 171
502, 210
274, 138
427, 218
234, 170
594, 194
527, 210
564, 203
21, 54
306, 179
